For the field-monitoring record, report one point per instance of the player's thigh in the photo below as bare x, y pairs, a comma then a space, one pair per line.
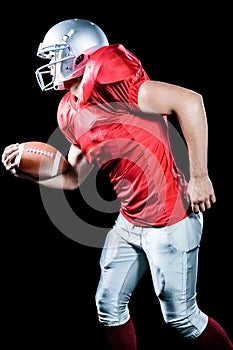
172, 253
122, 263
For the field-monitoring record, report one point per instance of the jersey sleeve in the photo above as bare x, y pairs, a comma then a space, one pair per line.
66, 119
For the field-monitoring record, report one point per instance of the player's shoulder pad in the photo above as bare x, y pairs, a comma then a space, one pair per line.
115, 63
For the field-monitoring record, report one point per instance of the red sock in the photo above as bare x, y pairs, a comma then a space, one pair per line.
214, 337
121, 337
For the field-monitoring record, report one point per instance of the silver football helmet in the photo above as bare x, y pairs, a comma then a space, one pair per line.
67, 45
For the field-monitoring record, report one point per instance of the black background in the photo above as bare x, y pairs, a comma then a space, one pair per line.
49, 281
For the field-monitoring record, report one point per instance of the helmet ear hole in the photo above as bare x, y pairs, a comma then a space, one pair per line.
79, 59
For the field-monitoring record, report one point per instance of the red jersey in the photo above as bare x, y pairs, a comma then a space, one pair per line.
106, 123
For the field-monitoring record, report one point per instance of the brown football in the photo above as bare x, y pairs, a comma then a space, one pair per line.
41, 160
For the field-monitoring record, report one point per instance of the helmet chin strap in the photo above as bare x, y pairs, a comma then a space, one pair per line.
59, 86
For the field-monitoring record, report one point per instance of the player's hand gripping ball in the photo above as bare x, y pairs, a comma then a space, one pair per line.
41, 160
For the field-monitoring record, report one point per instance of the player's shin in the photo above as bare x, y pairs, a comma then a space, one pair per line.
121, 337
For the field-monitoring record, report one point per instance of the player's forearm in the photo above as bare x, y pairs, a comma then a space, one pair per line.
71, 179
67, 181
193, 122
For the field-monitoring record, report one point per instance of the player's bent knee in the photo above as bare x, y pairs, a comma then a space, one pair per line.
189, 326
112, 307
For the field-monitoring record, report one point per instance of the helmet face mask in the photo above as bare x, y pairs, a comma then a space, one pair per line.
68, 46
62, 67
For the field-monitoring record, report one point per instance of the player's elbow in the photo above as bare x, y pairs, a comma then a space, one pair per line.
70, 180
71, 185
195, 101
190, 104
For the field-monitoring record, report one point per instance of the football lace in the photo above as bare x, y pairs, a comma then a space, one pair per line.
39, 151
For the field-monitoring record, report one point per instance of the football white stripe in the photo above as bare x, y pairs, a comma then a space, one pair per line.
56, 163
